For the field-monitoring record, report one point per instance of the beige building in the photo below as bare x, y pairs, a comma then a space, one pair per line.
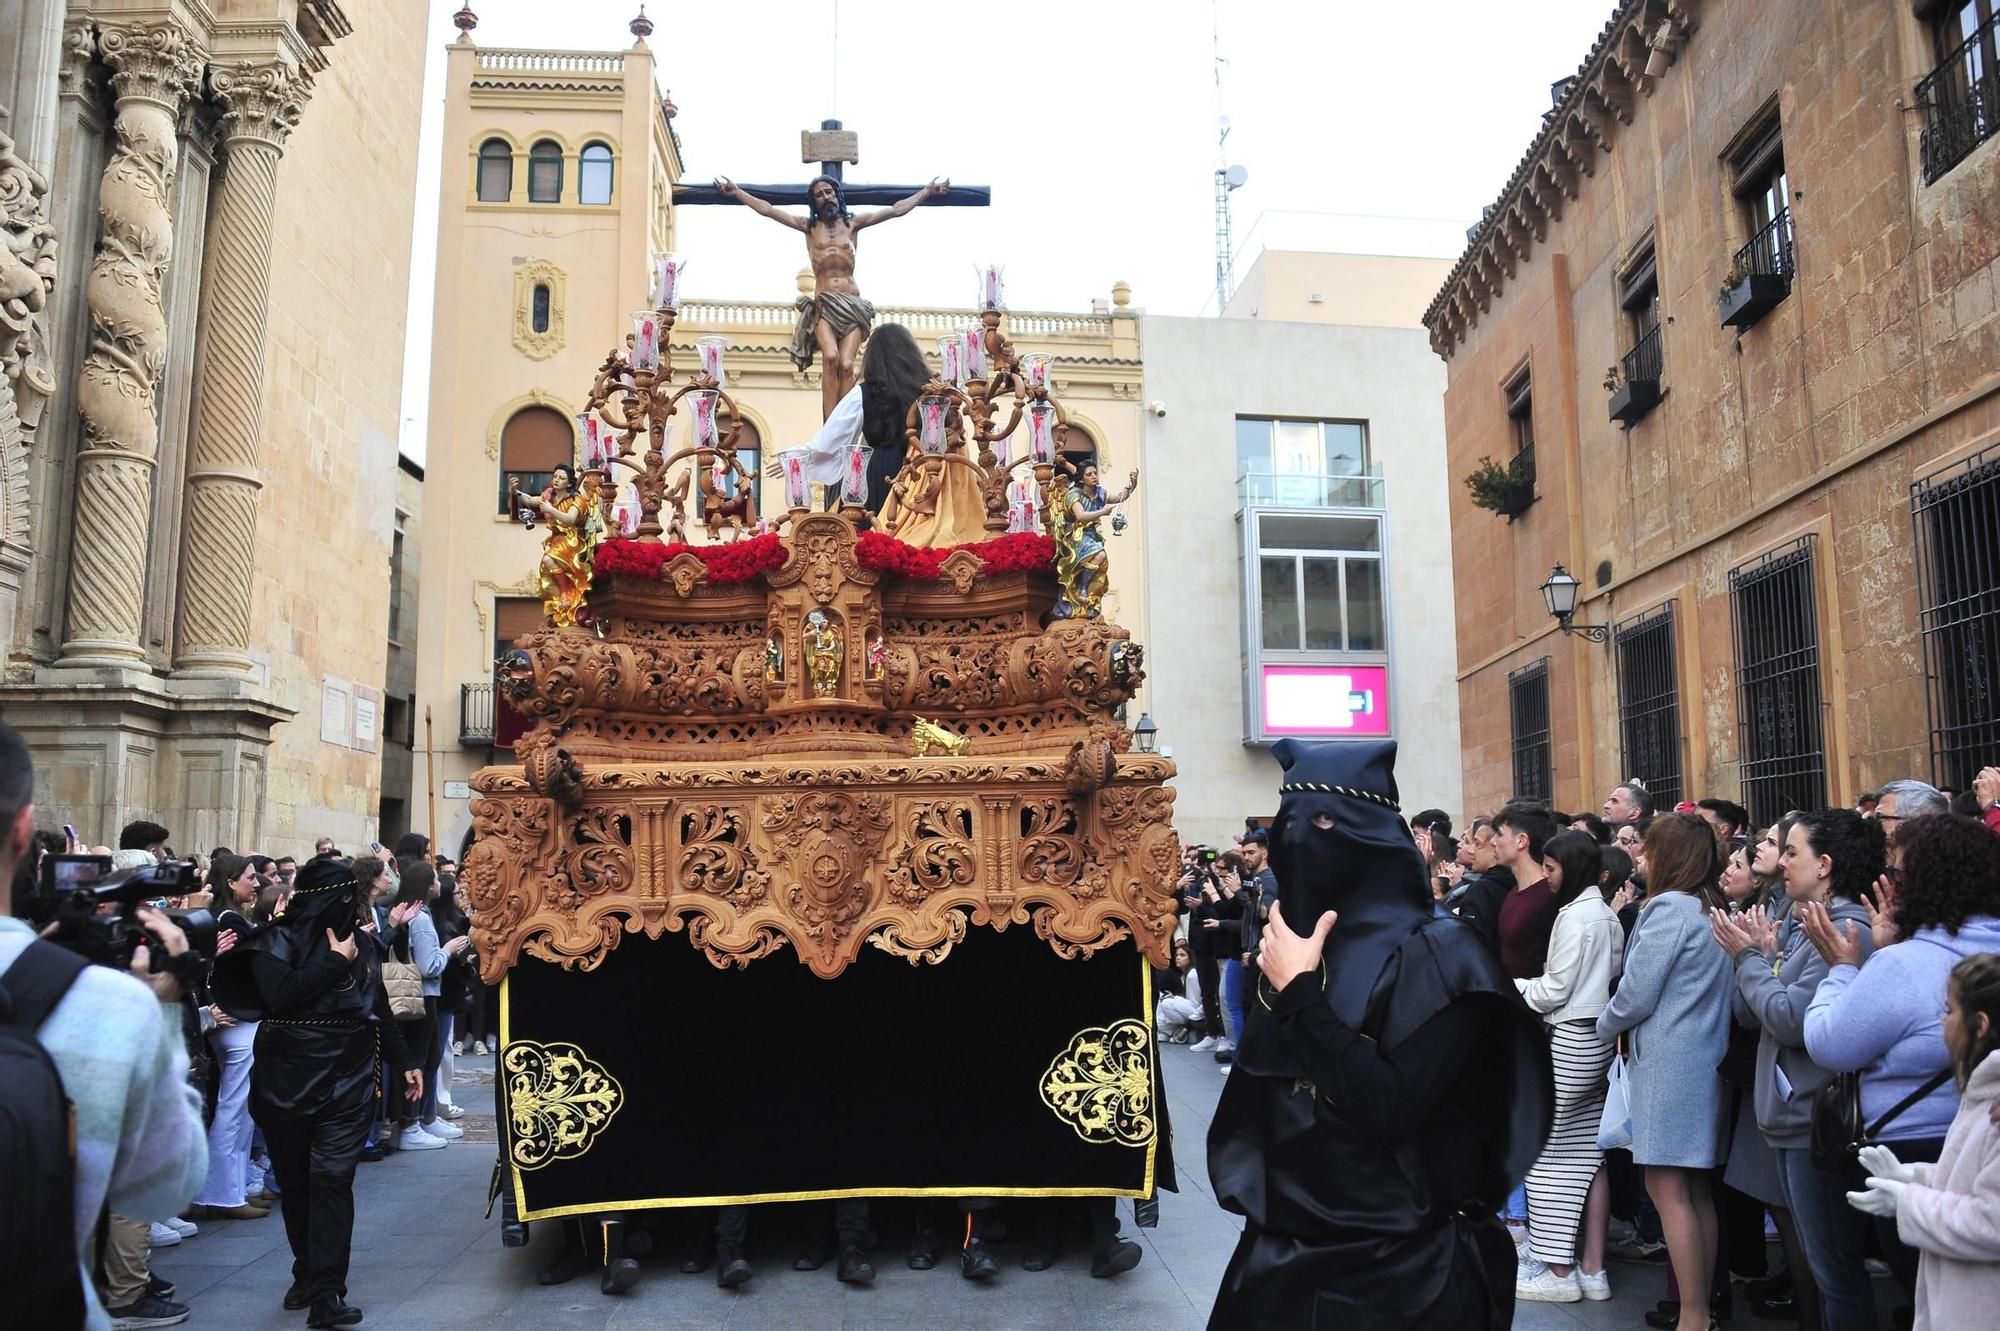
559, 168
1293, 463
199, 451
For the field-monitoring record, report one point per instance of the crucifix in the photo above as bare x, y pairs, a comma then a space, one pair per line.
834, 320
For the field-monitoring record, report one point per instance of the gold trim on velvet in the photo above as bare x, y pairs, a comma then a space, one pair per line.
1102, 1084
558, 1100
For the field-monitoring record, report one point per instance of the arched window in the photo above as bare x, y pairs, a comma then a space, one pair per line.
540, 314
1078, 448
496, 171
593, 174
532, 442
545, 172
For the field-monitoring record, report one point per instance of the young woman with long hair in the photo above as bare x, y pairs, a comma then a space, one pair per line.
874, 412
1672, 1008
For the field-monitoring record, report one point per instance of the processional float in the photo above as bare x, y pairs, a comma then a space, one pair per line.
826, 868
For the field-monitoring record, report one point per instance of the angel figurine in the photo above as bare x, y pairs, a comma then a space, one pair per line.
575, 528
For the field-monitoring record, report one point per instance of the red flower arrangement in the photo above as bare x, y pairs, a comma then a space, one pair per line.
739, 561
1014, 553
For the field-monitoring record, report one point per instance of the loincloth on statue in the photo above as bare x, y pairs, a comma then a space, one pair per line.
842, 312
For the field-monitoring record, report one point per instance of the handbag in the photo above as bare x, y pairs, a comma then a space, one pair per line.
404, 984
1614, 1125
1838, 1133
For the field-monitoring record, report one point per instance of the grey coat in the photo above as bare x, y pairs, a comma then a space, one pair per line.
1674, 1000
1776, 1005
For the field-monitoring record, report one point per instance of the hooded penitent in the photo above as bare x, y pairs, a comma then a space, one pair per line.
1381, 1109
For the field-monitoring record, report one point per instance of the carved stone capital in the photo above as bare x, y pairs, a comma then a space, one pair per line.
79, 53
261, 101
152, 62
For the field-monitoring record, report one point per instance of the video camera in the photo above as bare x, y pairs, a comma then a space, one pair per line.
95, 910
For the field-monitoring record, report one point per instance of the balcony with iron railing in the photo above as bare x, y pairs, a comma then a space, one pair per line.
1637, 391
1960, 101
1266, 489
1760, 276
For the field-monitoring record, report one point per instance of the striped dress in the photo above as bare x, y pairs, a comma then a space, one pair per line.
1560, 1180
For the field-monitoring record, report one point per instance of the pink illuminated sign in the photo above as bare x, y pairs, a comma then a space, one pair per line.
1335, 701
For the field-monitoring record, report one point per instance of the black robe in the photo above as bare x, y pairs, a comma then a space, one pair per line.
1381, 1108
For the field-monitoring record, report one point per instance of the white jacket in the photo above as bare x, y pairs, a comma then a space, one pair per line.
1586, 951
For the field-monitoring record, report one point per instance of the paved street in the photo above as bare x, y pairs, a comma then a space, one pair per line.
425, 1260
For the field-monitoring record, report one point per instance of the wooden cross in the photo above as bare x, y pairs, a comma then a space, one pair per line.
830, 146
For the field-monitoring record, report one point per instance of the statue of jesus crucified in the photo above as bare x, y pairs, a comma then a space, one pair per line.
835, 319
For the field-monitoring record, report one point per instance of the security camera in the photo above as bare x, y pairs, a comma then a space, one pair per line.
1158, 408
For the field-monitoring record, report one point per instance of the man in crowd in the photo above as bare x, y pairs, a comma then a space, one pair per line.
287, 869
1528, 913
1729, 819
1260, 893
324, 846
1902, 800
149, 837
115, 1041
1628, 802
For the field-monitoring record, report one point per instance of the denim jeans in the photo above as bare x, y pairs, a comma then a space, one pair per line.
1233, 975
1835, 1238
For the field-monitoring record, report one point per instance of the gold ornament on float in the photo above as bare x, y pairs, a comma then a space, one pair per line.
558, 1100
1102, 1085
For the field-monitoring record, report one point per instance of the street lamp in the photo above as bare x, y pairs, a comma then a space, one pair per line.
1559, 594
1146, 735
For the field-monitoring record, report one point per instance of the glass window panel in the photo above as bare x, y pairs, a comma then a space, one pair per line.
1280, 608
593, 175
496, 171
1346, 446
1297, 449
1322, 586
1318, 531
544, 173
1253, 447
1365, 630
541, 311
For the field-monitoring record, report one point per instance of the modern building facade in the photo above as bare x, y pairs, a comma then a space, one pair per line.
1726, 348
212, 204
1300, 560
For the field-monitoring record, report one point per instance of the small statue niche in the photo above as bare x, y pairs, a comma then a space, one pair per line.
877, 652
825, 653
774, 656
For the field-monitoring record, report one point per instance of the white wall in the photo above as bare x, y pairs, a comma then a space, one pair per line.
1207, 372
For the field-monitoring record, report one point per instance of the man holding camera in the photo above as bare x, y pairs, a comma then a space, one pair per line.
115, 1041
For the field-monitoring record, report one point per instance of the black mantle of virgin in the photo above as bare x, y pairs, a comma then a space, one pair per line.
768, 1082
787, 196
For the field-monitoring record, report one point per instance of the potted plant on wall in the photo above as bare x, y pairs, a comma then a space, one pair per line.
1747, 296
1504, 489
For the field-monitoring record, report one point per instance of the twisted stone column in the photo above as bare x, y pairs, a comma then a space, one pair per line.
263, 103
153, 67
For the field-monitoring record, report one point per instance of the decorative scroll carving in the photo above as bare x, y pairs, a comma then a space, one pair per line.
27, 277
825, 837
716, 856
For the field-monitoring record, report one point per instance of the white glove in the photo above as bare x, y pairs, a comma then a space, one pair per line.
1882, 1197
1881, 1162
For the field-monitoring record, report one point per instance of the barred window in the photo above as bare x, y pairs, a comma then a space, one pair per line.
1528, 710
1957, 515
1649, 703
1774, 616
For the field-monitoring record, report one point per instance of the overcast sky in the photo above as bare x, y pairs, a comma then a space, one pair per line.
1370, 128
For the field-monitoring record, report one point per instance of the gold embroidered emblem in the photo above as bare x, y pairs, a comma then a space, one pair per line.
1102, 1084
558, 1100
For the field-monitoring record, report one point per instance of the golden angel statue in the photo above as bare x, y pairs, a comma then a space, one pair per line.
575, 528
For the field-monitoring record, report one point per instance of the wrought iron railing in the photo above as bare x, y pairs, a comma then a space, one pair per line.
1265, 489
475, 714
1528, 722
1649, 702
1957, 517
1960, 101
1642, 362
1780, 733
1769, 252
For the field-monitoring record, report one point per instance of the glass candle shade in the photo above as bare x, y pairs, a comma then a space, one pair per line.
794, 464
1035, 365
854, 475
702, 402
951, 354
710, 348
930, 423
991, 295
667, 270
645, 340
1041, 432
626, 514
975, 353
587, 439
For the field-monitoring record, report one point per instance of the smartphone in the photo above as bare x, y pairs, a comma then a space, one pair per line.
375, 846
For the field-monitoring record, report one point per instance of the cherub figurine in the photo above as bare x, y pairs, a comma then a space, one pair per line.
825, 654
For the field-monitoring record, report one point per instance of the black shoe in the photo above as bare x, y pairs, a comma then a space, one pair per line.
817, 1253
923, 1251
854, 1268
1045, 1253
296, 1298
975, 1263
147, 1311
567, 1266
730, 1268
697, 1261
335, 1311
1667, 1316
1115, 1260
371, 1154
158, 1288
1777, 1308
1769, 1287
620, 1276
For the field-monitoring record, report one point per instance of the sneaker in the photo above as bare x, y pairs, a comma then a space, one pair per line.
188, 1228
1636, 1249
1596, 1288
1205, 1044
451, 1132
1526, 1265
457, 1047
451, 1111
1618, 1231
479, 1049
162, 1236
148, 1310
1545, 1286
1224, 1046
414, 1138
159, 1288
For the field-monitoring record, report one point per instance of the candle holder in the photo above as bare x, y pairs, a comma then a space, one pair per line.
797, 495
951, 355
667, 269
854, 476
1041, 432
710, 348
975, 353
646, 340
703, 430
931, 422
1035, 369
991, 294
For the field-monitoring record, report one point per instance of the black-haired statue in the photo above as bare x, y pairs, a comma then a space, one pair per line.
1389, 1089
